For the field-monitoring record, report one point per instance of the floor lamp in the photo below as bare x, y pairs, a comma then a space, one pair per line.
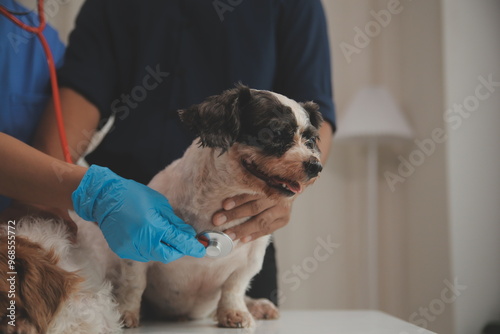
372, 118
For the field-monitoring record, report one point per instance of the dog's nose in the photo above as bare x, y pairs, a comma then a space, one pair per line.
312, 167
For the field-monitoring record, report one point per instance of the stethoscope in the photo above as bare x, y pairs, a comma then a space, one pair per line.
217, 244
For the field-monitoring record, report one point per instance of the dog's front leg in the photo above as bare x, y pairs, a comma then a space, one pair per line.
232, 310
129, 282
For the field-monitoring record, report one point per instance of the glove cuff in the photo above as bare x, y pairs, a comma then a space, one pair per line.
89, 200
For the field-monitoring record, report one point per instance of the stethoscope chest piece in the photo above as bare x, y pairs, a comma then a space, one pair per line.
217, 244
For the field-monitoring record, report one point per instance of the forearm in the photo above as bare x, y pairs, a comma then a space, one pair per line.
137, 222
80, 122
29, 175
325, 141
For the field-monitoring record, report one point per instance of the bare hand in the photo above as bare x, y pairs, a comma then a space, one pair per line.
266, 216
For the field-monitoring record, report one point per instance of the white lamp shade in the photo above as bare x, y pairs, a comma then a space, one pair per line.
373, 114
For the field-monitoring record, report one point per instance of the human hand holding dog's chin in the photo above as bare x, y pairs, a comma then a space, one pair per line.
267, 216
137, 222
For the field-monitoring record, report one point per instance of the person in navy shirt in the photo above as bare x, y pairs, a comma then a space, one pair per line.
142, 61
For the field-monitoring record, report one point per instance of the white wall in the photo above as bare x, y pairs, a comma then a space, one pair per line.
426, 208
472, 49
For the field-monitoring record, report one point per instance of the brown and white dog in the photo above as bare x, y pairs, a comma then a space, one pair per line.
50, 284
250, 142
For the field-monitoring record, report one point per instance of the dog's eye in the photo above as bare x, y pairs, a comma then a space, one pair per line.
311, 143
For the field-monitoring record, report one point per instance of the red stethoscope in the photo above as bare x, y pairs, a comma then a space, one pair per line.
38, 31
218, 244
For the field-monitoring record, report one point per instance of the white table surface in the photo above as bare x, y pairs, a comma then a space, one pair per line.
296, 322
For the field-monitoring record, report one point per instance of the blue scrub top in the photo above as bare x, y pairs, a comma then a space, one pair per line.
24, 75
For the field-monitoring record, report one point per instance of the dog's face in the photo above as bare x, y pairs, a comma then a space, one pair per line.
271, 137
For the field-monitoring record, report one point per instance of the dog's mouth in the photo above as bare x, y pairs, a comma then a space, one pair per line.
287, 187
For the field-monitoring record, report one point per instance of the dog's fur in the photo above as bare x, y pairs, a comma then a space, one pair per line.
250, 142
57, 289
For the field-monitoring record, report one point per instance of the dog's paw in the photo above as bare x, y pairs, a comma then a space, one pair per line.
235, 319
262, 308
130, 319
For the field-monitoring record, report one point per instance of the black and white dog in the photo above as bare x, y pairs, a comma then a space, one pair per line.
250, 142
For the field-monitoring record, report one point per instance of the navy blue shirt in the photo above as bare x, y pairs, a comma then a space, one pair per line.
144, 60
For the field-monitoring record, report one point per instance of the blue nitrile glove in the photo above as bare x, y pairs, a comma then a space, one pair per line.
137, 222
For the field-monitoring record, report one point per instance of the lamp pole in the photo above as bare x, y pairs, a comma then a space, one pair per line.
372, 223
374, 118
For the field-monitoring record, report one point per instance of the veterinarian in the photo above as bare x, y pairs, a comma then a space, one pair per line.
143, 62
120, 207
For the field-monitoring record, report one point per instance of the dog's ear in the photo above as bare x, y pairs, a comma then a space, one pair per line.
42, 285
217, 120
312, 110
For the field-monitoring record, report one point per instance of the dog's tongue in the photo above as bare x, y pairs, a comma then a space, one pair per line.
293, 186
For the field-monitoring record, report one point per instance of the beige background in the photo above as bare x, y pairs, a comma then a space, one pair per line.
443, 223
